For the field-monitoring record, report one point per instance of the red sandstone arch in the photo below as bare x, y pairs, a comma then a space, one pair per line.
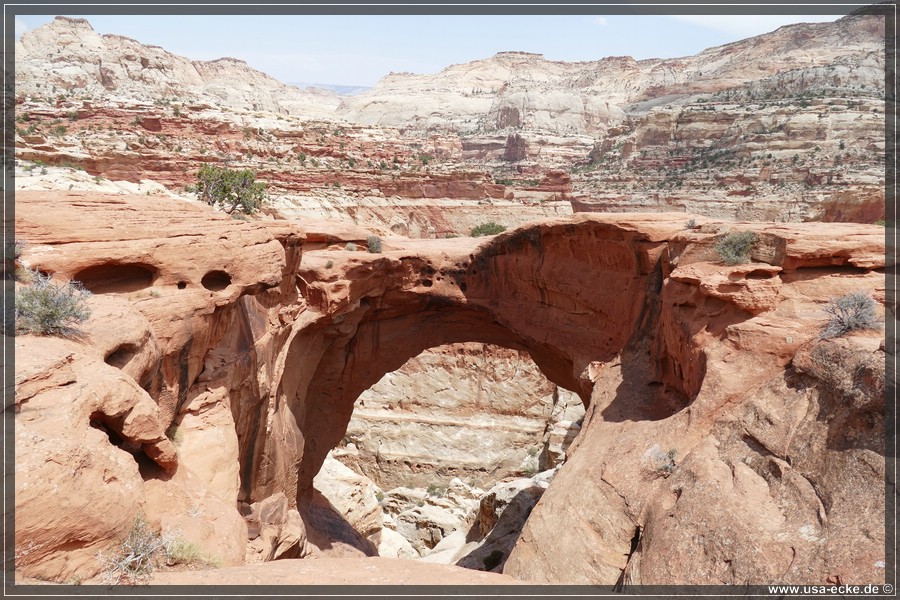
569, 294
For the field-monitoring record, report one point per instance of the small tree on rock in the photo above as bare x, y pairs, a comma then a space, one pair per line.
230, 189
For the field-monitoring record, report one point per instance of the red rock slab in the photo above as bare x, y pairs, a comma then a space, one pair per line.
337, 571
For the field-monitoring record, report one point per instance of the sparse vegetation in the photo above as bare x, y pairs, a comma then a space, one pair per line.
691, 224
329, 264
735, 247
174, 433
350, 247
373, 244
46, 307
490, 228
849, 313
144, 550
436, 490
230, 189
660, 462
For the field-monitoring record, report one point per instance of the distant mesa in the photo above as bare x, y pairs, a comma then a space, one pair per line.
518, 53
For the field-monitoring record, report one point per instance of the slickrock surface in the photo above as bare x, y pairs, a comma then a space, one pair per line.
550, 288
337, 571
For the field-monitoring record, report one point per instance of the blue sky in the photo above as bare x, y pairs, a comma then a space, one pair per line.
360, 50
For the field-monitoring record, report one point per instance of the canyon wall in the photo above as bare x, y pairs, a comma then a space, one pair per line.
787, 126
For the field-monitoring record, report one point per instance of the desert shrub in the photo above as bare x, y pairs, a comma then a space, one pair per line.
734, 248
144, 550
487, 229
373, 244
662, 463
174, 433
180, 551
691, 224
350, 247
848, 313
49, 308
137, 554
231, 189
435, 490
18, 249
329, 264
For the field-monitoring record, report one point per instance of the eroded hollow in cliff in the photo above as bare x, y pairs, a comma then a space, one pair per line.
116, 278
216, 281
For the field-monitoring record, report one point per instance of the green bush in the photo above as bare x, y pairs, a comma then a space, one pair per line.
230, 189
49, 308
350, 247
848, 313
487, 229
373, 244
734, 248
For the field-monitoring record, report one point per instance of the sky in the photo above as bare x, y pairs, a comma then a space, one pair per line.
358, 50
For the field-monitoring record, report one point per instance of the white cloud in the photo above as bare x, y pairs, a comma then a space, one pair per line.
601, 21
749, 25
20, 27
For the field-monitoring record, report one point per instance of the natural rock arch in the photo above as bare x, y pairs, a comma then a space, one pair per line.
572, 295
768, 420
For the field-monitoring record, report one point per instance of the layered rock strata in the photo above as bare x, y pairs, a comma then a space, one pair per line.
479, 413
786, 126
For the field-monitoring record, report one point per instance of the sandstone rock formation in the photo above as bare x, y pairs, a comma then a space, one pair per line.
724, 441
521, 90
287, 349
336, 571
67, 56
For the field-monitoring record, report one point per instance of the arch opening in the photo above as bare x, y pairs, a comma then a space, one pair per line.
445, 446
477, 412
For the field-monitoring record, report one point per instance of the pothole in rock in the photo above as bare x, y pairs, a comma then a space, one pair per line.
444, 458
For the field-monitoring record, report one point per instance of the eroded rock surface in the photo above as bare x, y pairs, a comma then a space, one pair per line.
693, 393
